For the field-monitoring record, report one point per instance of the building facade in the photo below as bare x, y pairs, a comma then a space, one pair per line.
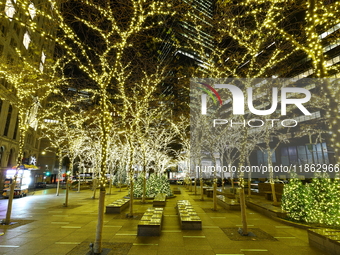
25, 35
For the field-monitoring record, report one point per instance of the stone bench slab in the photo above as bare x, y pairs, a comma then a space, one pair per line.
117, 206
188, 217
151, 222
159, 200
325, 239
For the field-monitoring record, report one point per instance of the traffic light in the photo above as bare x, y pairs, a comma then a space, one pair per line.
47, 173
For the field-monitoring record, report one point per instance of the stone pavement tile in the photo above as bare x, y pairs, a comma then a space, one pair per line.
288, 250
37, 243
227, 250
213, 232
196, 242
220, 243
193, 247
108, 231
4, 250
147, 239
60, 233
256, 252
171, 239
253, 245
74, 238
31, 235
172, 252
123, 239
294, 242
14, 241
57, 249
192, 232
144, 250
199, 252
23, 251
27, 230
298, 232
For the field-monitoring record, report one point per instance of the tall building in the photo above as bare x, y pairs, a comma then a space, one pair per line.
187, 40
24, 33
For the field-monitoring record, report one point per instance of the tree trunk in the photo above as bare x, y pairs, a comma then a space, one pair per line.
249, 178
249, 187
144, 184
272, 185
215, 195
22, 136
110, 184
101, 204
241, 184
215, 187
105, 126
232, 183
94, 188
78, 182
243, 212
66, 197
195, 186
201, 185
59, 171
10, 202
68, 181
58, 187
131, 197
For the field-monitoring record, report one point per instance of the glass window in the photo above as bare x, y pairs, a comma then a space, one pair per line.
305, 154
284, 156
315, 155
292, 152
8, 120
309, 149
319, 153
262, 157
16, 129
2, 149
302, 155
325, 153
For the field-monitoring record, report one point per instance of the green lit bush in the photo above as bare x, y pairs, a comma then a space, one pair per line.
317, 202
154, 184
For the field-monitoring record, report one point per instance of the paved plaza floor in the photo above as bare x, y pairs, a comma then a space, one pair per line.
44, 226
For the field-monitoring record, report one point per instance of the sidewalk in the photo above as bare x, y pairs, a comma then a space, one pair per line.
46, 227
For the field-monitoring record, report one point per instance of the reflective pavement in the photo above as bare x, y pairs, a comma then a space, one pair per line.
46, 227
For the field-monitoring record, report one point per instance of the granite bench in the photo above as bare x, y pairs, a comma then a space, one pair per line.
189, 219
159, 200
151, 222
209, 192
117, 206
266, 190
229, 204
205, 189
176, 190
326, 240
